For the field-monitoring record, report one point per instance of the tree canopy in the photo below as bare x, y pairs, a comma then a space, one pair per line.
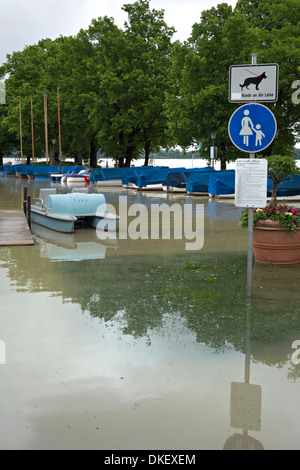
130, 91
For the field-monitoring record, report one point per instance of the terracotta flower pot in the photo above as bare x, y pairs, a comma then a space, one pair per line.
274, 244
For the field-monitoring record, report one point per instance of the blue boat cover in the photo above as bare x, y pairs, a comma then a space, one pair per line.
155, 176
223, 183
290, 187
198, 181
103, 174
45, 170
14, 169
134, 172
180, 178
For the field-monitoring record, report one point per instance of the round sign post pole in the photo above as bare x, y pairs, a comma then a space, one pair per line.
250, 228
250, 247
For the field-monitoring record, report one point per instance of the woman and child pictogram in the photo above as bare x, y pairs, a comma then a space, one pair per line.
248, 129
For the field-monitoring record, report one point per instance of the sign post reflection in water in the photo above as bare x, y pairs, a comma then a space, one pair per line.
245, 401
136, 221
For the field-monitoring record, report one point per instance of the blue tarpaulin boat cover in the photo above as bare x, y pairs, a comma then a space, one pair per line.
180, 178
286, 188
14, 169
225, 184
46, 170
222, 182
156, 176
133, 173
38, 170
103, 174
198, 182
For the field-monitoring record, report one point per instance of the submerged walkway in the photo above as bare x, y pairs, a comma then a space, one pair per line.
14, 229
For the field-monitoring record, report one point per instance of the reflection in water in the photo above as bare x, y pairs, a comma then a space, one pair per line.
171, 342
245, 402
81, 245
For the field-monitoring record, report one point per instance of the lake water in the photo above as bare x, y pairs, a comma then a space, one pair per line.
143, 344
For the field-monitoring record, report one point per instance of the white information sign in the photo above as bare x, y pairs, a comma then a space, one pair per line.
253, 83
251, 177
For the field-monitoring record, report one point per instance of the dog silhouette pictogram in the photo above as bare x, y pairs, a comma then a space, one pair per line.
253, 81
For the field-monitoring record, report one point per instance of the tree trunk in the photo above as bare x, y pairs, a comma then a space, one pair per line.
147, 153
1, 158
274, 194
51, 156
93, 154
78, 158
129, 155
223, 164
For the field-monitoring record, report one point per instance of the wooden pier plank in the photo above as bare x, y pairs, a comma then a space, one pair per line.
14, 230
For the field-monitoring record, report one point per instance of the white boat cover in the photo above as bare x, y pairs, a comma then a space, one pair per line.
77, 204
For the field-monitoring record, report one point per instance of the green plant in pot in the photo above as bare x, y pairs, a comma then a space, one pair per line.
271, 221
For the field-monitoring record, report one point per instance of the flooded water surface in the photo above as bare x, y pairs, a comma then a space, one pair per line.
142, 343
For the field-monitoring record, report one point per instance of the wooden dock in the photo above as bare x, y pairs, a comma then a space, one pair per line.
14, 229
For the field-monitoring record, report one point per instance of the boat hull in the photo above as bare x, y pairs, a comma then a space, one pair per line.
75, 179
59, 225
109, 183
174, 189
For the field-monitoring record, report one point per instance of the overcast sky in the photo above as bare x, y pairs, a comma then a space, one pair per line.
25, 22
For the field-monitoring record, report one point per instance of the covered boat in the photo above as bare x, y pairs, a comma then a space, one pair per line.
62, 212
176, 181
108, 176
130, 179
198, 181
287, 189
221, 183
152, 179
14, 170
39, 171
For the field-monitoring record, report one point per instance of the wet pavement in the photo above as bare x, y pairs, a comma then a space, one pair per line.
143, 344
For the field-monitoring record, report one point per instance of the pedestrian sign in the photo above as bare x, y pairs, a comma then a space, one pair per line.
252, 127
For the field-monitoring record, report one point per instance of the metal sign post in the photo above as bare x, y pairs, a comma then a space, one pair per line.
252, 127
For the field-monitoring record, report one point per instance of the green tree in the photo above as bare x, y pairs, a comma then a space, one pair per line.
25, 71
149, 40
223, 37
130, 71
201, 104
8, 140
41, 70
66, 69
278, 24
